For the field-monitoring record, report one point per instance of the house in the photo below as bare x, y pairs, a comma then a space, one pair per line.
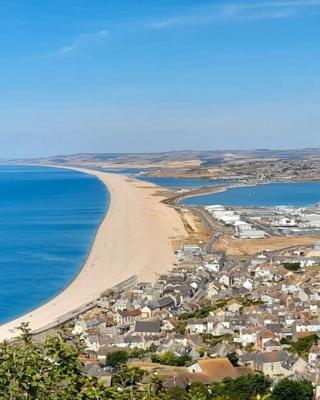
314, 355
233, 305
213, 289
212, 266
81, 325
169, 325
272, 345
145, 328
94, 369
248, 284
196, 326
92, 342
215, 370
279, 364
225, 280
248, 335
271, 363
218, 328
122, 304
146, 312
311, 326
126, 317
164, 302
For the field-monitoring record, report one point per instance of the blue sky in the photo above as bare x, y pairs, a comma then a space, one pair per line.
157, 75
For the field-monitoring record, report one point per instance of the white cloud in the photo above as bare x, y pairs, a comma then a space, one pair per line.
79, 41
239, 11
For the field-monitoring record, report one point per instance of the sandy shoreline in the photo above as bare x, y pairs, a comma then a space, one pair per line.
133, 239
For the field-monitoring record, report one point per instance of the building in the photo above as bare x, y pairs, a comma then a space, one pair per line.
252, 234
215, 370
146, 328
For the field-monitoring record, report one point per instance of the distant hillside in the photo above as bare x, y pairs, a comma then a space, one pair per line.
207, 158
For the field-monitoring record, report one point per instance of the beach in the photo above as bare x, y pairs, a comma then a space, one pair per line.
134, 238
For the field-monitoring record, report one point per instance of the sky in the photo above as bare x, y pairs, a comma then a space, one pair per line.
158, 75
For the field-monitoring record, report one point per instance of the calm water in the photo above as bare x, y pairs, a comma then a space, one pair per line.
48, 219
295, 194
181, 182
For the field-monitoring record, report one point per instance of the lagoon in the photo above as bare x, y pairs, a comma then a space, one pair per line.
301, 194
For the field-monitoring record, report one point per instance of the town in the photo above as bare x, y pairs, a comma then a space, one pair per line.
214, 317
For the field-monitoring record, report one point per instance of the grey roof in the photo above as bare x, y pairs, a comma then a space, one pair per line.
147, 326
274, 328
271, 357
161, 303
95, 370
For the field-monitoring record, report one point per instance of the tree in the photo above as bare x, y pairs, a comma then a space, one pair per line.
169, 358
303, 345
47, 371
127, 377
116, 358
292, 390
176, 393
233, 358
246, 387
198, 391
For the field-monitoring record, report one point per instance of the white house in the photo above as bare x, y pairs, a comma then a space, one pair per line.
311, 326
196, 326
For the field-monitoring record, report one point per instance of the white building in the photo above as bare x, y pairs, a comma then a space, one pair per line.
252, 234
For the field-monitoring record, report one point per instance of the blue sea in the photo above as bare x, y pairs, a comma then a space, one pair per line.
48, 220
300, 194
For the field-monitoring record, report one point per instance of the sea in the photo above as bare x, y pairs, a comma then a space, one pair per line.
301, 194
48, 221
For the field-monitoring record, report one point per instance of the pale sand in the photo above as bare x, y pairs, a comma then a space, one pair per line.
133, 239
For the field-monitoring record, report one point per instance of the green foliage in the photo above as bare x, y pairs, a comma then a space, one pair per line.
127, 377
198, 391
292, 266
247, 301
211, 340
181, 328
47, 371
176, 393
285, 340
152, 348
233, 358
169, 358
242, 388
137, 353
116, 358
203, 312
292, 390
303, 345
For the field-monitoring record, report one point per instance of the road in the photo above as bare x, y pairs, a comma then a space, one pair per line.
208, 222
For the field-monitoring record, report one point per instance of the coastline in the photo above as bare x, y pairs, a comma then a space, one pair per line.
134, 238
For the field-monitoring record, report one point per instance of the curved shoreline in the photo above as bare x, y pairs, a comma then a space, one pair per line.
132, 239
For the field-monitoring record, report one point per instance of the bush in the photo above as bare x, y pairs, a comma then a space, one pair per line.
303, 345
116, 358
169, 358
243, 388
292, 266
291, 390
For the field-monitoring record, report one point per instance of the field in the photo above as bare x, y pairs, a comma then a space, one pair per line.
244, 247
